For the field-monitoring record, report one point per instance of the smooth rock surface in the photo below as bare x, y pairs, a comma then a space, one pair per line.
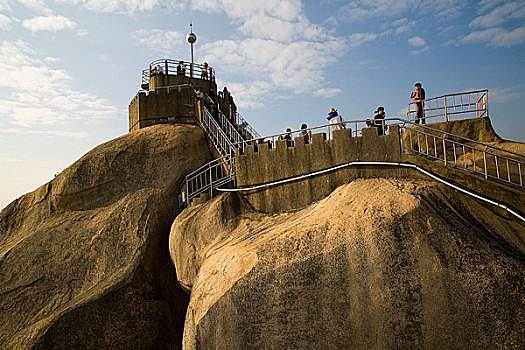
378, 264
84, 262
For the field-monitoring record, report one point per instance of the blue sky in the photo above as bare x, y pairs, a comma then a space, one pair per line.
69, 68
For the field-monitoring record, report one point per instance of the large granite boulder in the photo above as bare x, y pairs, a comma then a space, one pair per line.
84, 261
378, 264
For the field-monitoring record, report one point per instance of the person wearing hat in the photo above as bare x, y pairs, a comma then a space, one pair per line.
335, 119
379, 120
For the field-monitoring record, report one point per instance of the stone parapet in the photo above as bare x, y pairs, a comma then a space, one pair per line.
260, 164
162, 106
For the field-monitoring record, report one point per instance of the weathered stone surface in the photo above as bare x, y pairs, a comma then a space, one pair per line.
83, 259
378, 264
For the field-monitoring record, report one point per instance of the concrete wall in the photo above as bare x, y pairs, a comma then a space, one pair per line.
162, 106
260, 165
163, 80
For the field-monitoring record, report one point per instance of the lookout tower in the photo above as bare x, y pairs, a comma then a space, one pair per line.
167, 93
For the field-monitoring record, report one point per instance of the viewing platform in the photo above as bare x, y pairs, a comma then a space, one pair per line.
168, 93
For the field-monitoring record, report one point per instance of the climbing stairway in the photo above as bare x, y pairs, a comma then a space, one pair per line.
422, 141
219, 172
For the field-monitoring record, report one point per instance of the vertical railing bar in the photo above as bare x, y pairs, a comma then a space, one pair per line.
473, 159
497, 167
444, 152
455, 157
508, 170
519, 171
485, 164
464, 158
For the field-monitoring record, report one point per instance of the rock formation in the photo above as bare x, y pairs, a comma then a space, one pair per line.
84, 260
378, 264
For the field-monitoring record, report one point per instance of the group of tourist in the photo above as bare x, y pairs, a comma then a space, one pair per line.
337, 123
181, 70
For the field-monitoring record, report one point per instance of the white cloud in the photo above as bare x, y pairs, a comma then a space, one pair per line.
497, 37
280, 47
417, 41
49, 23
419, 44
158, 39
51, 60
362, 10
82, 32
499, 15
41, 95
105, 58
7, 159
506, 94
118, 6
327, 92
36, 5
357, 39
4, 22
250, 95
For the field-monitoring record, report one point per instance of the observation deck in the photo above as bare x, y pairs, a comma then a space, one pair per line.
167, 93
164, 73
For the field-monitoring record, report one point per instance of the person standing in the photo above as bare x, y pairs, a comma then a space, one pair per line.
418, 97
379, 120
181, 70
204, 72
335, 120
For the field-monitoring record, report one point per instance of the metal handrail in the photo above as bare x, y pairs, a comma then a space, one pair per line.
169, 66
245, 127
450, 152
358, 125
207, 178
457, 106
442, 148
167, 88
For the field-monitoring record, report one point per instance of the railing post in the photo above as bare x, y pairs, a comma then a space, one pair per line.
187, 193
446, 110
211, 184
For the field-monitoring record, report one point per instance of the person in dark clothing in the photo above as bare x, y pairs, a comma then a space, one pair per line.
181, 70
379, 120
418, 97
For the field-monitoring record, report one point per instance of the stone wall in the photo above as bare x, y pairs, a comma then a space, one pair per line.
162, 106
259, 164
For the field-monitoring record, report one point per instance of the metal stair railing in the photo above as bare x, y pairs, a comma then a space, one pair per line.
218, 172
206, 178
452, 150
246, 129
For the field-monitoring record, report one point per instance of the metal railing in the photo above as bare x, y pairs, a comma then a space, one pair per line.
169, 66
207, 178
247, 131
463, 105
453, 150
489, 161
218, 172
223, 135
355, 126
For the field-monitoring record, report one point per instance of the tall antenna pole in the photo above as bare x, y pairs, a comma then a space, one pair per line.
192, 38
